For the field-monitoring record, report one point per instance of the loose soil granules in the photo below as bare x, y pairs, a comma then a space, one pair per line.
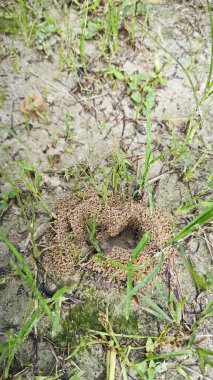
120, 225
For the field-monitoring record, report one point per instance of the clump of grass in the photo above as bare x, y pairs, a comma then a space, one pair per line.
92, 229
34, 23
116, 178
51, 308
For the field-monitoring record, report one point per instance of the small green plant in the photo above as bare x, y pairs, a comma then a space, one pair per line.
92, 229
68, 172
130, 270
82, 38
26, 19
68, 126
110, 26
35, 24
46, 35
31, 179
200, 201
6, 200
148, 369
120, 174
175, 308
140, 86
197, 222
49, 307
147, 164
202, 282
93, 29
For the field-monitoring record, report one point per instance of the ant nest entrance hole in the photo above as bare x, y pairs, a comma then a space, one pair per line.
126, 239
119, 227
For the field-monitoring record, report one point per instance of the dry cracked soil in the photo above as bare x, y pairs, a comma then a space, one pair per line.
77, 121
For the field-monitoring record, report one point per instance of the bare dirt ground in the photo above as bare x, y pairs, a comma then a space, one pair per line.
100, 116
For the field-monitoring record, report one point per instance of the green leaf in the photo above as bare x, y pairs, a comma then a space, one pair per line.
5, 197
141, 367
161, 367
204, 218
59, 293
75, 377
55, 324
4, 205
179, 310
133, 86
208, 311
118, 75
140, 246
27, 166
150, 345
175, 354
136, 96
12, 194
199, 280
151, 373
183, 373
156, 310
149, 277
26, 274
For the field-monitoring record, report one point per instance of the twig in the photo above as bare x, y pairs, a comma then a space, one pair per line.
197, 373
209, 246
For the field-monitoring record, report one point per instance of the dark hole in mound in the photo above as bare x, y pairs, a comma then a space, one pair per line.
127, 239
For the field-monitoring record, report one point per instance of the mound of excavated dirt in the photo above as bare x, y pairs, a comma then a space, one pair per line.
34, 105
120, 225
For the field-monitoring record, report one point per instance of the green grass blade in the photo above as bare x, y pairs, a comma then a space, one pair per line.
144, 265
176, 60
199, 280
149, 277
128, 290
156, 309
116, 263
204, 218
208, 311
167, 355
27, 275
140, 246
209, 78
25, 330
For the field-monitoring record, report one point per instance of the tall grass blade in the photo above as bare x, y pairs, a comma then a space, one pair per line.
205, 217
156, 310
149, 277
11, 349
128, 291
27, 275
209, 78
140, 246
176, 60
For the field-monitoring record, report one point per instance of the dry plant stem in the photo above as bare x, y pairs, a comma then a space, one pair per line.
175, 59
209, 246
196, 373
67, 93
111, 363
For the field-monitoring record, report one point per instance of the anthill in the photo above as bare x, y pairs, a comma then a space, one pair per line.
119, 226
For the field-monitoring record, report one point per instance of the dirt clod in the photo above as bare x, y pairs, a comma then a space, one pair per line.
34, 105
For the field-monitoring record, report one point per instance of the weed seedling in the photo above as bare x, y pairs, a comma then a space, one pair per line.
6, 200
92, 229
68, 126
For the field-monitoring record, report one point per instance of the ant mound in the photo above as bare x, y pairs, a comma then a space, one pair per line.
119, 227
